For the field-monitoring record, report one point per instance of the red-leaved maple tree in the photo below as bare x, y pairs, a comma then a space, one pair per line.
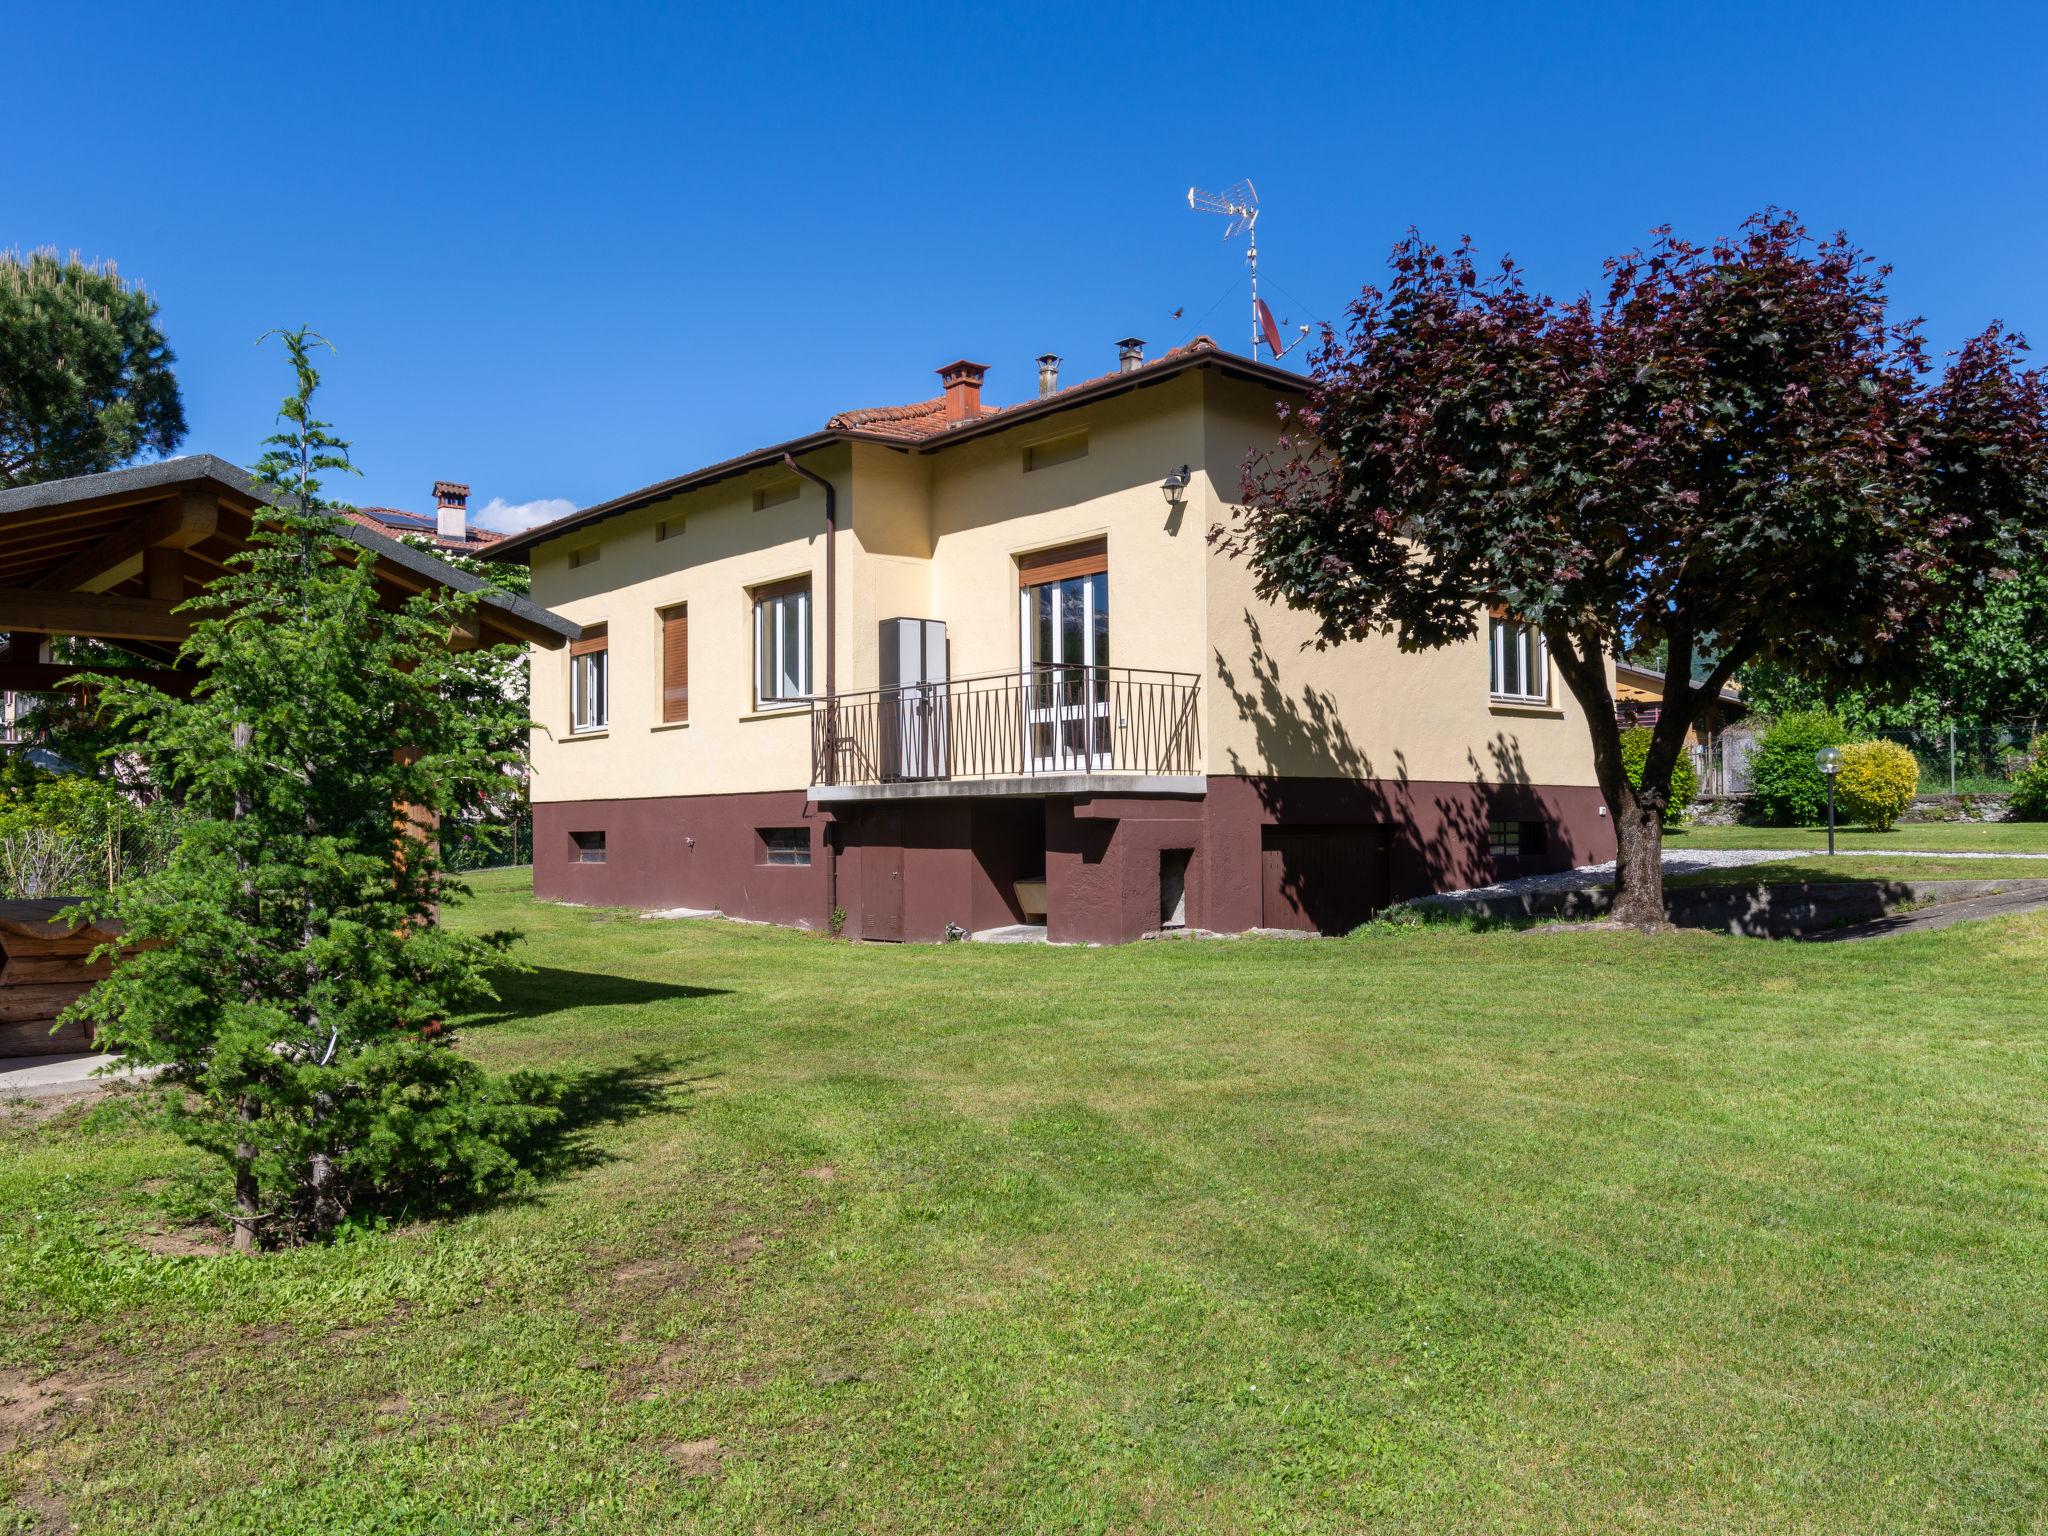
1736, 452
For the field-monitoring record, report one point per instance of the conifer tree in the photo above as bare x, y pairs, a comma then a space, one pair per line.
85, 374
288, 970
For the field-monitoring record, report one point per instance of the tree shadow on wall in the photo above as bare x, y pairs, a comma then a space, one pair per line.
1441, 835
1304, 733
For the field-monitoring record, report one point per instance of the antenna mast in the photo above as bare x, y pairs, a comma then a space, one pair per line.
1240, 204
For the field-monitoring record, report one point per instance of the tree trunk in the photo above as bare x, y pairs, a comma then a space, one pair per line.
328, 1206
248, 1209
1638, 859
1638, 814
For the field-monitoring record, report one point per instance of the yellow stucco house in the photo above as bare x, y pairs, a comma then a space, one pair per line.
958, 666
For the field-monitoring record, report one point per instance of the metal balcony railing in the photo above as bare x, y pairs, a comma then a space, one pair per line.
1050, 720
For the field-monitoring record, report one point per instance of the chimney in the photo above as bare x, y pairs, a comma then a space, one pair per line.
1130, 353
963, 389
451, 511
1048, 374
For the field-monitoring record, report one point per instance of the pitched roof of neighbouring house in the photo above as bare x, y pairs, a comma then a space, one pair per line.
396, 523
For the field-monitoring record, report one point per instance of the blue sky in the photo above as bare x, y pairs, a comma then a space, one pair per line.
567, 251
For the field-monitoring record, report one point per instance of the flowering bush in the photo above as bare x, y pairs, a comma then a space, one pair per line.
1878, 781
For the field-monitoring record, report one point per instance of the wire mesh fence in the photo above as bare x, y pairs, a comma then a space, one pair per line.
1967, 757
488, 842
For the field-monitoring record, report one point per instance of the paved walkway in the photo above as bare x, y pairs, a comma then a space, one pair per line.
1695, 860
36, 1077
1926, 919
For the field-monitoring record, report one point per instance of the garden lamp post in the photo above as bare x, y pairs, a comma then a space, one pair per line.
1829, 761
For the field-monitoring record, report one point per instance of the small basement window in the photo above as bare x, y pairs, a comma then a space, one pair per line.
589, 847
1517, 839
785, 845
1063, 449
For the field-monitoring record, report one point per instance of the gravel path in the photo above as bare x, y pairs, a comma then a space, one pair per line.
1587, 876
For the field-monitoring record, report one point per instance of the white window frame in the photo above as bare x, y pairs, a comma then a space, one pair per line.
771, 651
590, 682
1517, 653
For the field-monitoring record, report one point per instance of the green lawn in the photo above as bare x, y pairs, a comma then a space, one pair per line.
1425, 1230
1931, 837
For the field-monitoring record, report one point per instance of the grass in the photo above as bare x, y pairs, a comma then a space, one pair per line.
1929, 837
1867, 866
1428, 1230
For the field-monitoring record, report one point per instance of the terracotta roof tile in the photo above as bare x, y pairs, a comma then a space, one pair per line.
907, 421
924, 419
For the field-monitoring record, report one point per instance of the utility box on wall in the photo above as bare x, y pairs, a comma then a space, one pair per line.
914, 725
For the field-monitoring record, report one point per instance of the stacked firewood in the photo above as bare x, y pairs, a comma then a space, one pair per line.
44, 968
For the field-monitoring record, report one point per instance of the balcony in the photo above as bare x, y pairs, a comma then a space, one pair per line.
1052, 731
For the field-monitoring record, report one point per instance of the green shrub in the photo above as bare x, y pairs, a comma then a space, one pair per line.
2030, 784
1685, 779
1878, 781
1787, 790
73, 835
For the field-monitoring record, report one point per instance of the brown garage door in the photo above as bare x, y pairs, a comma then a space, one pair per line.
1324, 879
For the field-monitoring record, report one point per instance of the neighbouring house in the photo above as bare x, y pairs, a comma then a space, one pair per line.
957, 666
448, 530
1722, 736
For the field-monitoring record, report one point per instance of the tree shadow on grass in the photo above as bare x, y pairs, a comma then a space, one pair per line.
589, 1100
548, 989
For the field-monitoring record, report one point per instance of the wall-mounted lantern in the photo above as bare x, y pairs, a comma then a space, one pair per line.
1175, 486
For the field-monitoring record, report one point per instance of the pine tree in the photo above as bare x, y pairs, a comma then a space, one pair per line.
289, 972
85, 375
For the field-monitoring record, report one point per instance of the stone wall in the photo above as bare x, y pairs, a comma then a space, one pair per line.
1732, 810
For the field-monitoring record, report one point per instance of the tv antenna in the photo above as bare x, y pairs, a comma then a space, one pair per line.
1240, 204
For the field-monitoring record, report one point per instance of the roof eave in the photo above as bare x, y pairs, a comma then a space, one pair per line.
1230, 365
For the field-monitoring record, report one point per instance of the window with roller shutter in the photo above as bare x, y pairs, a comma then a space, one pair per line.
675, 665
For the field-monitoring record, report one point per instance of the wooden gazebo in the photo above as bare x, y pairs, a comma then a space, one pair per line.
108, 557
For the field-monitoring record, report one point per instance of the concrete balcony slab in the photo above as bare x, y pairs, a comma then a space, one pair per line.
1040, 785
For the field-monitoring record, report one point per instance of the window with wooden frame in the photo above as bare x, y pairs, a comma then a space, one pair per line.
1520, 660
1090, 557
590, 691
675, 664
782, 643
